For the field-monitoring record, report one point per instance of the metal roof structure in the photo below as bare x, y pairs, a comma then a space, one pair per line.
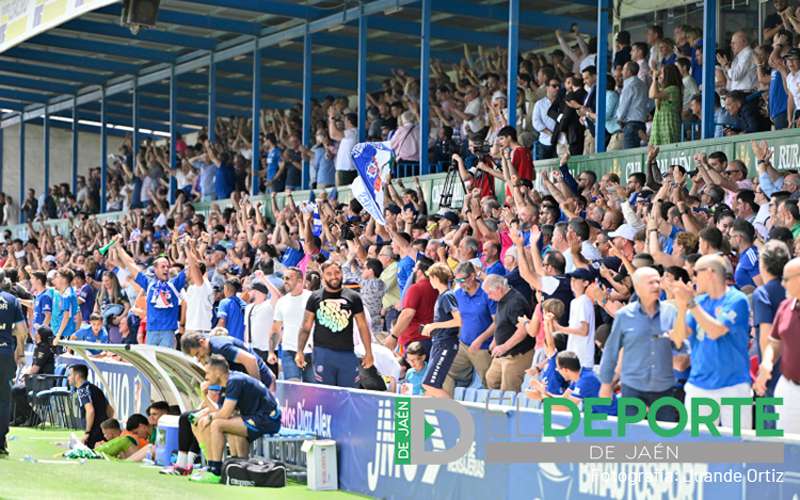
82, 55
235, 57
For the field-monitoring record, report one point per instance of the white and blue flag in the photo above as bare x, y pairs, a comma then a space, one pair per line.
374, 161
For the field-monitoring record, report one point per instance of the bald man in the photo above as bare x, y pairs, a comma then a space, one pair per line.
741, 72
642, 329
784, 342
716, 322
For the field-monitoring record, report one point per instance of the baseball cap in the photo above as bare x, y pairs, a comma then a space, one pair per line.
498, 95
792, 54
582, 274
451, 216
624, 231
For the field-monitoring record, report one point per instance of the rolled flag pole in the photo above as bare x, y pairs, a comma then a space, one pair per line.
104, 249
374, 162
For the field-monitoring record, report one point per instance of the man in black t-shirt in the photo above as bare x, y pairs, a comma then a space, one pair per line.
512, 347
95, 408
331, 311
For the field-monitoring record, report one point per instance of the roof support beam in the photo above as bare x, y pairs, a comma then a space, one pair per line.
195, 20
147, 35
228, 50
114, 49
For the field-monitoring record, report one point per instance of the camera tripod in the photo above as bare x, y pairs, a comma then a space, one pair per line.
446, 197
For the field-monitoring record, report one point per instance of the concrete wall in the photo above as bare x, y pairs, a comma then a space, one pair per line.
60, 156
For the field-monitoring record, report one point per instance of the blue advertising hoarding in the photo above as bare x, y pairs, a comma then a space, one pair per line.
362, 423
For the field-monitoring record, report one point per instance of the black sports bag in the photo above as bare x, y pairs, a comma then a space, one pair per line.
253, 472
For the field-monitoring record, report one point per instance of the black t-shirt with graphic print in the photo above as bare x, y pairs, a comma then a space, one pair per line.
333, 317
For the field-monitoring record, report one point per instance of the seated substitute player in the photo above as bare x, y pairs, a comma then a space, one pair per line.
240, 358
258, 411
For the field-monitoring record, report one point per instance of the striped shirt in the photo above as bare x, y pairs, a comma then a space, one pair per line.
747, 268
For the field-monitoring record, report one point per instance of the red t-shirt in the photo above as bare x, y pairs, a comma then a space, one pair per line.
523, 163
421, 297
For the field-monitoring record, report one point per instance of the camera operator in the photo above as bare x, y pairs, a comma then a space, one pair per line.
482, 175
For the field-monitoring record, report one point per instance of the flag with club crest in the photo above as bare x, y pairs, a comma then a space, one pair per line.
374, 162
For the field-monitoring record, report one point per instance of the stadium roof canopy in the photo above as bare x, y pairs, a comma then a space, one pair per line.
90, 56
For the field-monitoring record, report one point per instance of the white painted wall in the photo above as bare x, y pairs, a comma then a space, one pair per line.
60, 156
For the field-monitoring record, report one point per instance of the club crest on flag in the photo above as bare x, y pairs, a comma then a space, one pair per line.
373, 161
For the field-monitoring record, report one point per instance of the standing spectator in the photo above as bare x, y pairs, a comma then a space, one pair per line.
477, 313
443, 331
581, 318
405, 141
230, 312
512, 349
31, 206
746, 276
161, 294
418, 308
741, 72
274, 183
258, 319
63, 321
641, 329
793, 85
391, 290
777, 97
520, 156
666, 90
639, 56
289, 311
653, 36
716, 323
372, 289
323, 160
543, 123
774, 22
766, 300
472, 115
783, 343
345, 169
622, 49
333, 312
198, 298
86, 294
689, 86
632, 108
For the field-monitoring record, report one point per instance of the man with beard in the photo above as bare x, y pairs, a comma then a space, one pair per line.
331, 311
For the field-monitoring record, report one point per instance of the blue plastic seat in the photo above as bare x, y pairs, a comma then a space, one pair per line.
458, 394
509, 398
470, 394
481, 395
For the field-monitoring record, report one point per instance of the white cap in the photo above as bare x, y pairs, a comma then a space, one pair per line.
624, 231
498, 95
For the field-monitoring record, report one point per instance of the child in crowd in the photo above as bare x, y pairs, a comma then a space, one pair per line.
583, 383
549, 380
415, 356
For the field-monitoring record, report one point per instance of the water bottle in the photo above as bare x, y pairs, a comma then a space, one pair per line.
29, 459
148, 459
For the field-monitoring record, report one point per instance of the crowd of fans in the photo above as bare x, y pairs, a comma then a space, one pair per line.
693, 275
652, 97
538, 293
